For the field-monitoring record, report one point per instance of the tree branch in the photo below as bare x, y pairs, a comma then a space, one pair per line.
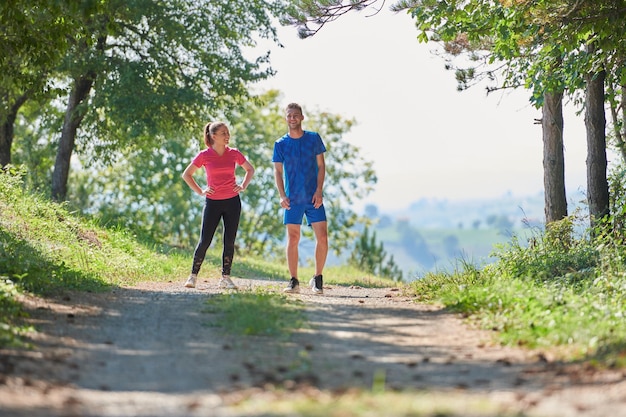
318, 15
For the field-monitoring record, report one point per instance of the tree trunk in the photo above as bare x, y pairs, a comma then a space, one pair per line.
7, 130
553, 159
73, 116
595, 123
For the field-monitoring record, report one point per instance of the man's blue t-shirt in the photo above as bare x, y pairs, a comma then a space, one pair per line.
299, 159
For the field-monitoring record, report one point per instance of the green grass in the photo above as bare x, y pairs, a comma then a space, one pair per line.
568, 296
10, 311
258, 312
44, 247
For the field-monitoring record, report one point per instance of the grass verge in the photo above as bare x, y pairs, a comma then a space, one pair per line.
362, 403
568, 296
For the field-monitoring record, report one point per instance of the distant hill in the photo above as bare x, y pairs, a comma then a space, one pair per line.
435, 235
447, 214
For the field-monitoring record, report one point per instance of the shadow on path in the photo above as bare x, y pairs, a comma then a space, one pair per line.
156, 351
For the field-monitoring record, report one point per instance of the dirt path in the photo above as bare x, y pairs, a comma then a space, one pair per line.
151, 350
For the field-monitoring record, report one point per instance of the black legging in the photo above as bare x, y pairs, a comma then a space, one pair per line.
214, 210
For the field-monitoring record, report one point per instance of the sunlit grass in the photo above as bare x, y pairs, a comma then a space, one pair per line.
10, 309
546, 295
365, 403
257, 312
45, 247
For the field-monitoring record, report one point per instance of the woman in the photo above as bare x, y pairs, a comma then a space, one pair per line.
222, 197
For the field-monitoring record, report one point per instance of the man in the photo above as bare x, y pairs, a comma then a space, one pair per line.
299, 172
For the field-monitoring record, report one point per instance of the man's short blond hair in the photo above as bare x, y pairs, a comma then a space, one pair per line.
293, 106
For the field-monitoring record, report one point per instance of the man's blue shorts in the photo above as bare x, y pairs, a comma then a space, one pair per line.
296, 213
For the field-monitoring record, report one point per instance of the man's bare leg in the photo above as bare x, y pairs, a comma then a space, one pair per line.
293, 240
320, 229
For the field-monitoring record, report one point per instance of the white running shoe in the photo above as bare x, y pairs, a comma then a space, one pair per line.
191, 281
317, 284
293, 287
225, 282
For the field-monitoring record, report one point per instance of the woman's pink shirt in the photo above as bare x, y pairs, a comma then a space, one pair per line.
220, 171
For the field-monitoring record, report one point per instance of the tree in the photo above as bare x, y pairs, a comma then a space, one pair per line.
33, 41
579, 29
142, 191
137, 71
597, 182
515, 45
309, 16
371, 211
451, 245
34, 150
370, 256
555, 198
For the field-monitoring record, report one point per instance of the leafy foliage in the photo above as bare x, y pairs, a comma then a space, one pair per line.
616, 224
33, 44
310, 16
143, 192
553, 254
537, 44
128, 74
168, 62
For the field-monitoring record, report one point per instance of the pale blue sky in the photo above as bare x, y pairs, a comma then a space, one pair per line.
426, 139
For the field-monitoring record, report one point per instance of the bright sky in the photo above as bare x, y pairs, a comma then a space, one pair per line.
426, 139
